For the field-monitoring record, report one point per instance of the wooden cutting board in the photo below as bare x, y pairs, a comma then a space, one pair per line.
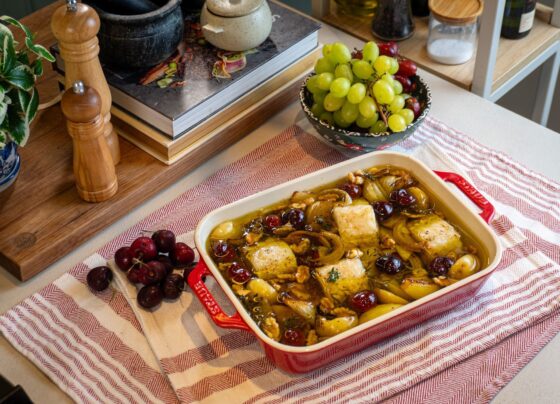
42, 218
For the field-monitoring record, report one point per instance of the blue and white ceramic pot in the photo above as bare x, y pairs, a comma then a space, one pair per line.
9, 165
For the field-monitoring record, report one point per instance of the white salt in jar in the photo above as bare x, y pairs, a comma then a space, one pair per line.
453, 30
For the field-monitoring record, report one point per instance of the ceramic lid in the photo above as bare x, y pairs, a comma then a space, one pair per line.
456, 11
233, 8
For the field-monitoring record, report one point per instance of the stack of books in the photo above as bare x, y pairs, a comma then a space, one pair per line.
202, 92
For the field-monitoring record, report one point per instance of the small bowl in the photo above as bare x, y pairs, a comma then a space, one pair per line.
365, 142
9, 165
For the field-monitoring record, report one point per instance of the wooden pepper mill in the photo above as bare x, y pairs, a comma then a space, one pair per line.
94, 170
75, 26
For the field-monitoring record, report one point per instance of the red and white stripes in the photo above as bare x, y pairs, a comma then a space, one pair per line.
93, 347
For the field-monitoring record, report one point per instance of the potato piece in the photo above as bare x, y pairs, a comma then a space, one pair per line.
345, 278
304, 308
418, 287
356, 224
384, 296
437, 235
465, 266
378, 311
373, 192
329, 328
227, 230
263, 289
272, 258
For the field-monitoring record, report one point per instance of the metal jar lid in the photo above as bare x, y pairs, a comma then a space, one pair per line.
456, 12
233, 8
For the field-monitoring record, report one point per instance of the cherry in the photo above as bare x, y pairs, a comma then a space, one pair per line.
182, 255
99, 278
164, 240
413, 104
295, 216
223, 251
388, 48
390, 264
124, 258
405, 82
150, 296
362, 301
407, 68
154, 272
166, 261
272, 222
293, 336
402, 198
135, 275
383, 210
144, 248
354, 190
172, 286
239, 274
440, 265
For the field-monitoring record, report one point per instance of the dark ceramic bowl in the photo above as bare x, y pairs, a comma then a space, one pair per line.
365, 142
142, 40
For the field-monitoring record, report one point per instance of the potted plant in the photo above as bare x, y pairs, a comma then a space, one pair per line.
20, 65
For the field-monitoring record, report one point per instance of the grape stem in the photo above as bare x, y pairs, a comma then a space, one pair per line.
383, 116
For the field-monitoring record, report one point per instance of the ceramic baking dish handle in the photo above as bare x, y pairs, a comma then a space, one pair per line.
207, 300
471, 192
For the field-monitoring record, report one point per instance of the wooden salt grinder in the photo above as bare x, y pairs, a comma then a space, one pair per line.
94, 170
75, 26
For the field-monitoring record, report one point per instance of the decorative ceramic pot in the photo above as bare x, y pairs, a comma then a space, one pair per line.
236, 25
9, 165
141, 40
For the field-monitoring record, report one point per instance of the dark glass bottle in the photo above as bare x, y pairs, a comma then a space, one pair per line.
518, 18
393, 20
420, 8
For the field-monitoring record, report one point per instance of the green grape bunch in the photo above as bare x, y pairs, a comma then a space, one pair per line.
369, 88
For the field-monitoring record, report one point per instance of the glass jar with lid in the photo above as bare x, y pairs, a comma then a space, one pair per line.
453, 30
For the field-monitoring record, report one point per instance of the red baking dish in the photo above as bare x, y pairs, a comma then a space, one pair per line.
304, 359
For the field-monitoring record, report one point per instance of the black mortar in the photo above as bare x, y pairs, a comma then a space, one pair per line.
141, 40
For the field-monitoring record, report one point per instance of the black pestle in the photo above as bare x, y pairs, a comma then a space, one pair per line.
124, 7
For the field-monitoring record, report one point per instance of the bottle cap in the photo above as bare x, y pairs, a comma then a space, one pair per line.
456, 12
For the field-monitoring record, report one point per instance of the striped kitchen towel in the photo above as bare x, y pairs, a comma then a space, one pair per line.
103, 348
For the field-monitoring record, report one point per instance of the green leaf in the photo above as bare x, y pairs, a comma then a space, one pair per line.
3, 111
23, 58
39, 50
18, 127
24, 98
9, 59
21, 77
16, 23
3, 139
37, 67
31, 110
4, 30
2, 94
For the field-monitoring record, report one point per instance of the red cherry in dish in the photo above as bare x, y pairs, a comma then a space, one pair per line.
413, 104
402, 198
388, 48
354, 190
383, 210
405, 82
166, 261
164, 240
440, 265
238, 274
124, 258
150, 296
294, 216
135, 275
223, 251
182, 255
99, 278
172, 286
293, 336
407, 68
272, 222
362, 301
390, 264
144, 248
153, 273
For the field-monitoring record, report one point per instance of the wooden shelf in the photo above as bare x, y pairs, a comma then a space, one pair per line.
513, 55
